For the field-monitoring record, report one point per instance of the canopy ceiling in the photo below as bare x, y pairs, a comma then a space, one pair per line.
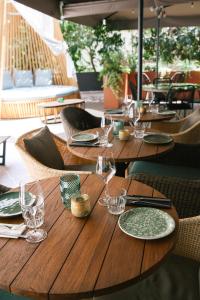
122, 14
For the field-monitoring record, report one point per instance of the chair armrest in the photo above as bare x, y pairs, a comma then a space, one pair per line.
167, 127
189, 136
188, 238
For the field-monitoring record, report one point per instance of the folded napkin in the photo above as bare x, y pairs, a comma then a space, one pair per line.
84, 144
140, 200
12, 230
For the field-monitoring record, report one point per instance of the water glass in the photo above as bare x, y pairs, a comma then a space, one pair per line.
69, 186
139, 130
117, 126
32, 205
116, 202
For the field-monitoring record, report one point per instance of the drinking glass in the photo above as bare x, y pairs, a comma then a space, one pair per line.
116, 202
32, 206
134, 118
104, 140
105, 168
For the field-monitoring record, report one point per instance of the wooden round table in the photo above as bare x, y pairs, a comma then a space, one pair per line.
80, 258
147, 117
121, 151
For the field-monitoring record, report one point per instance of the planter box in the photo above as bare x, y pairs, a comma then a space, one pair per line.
88, 81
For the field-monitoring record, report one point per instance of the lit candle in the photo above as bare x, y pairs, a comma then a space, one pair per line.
124, 134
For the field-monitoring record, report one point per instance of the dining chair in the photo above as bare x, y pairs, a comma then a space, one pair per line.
181, 98
75, 119
178, 77
159, 96
177, 278
46, 155
177, 126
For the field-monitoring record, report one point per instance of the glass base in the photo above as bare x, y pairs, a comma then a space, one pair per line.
36, 236
103, 201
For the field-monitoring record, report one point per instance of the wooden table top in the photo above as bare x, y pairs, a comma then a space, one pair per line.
59, 104
147, 117
80, 258
122, 151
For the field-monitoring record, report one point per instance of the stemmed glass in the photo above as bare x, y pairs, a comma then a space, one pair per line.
134, 118
32, 205
105, 168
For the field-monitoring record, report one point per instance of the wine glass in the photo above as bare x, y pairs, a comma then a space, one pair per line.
32, 206
134, 118
105, 168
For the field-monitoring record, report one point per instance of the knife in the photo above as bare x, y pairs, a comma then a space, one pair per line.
148, 198
148, 204
84, 145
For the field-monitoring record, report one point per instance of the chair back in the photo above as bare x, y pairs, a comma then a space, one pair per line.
190, 120
160, 80
184, 94
75, 119
178, 77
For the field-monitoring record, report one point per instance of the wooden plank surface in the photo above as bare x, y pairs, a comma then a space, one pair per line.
80, 257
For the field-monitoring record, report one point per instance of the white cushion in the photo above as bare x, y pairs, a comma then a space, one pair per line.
7, 80
36, 92
23, 78
43, 77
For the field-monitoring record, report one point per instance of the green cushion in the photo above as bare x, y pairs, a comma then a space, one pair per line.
176, 279
158, 169
43, 148
8, 296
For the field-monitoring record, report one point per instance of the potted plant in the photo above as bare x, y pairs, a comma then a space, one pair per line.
116, 68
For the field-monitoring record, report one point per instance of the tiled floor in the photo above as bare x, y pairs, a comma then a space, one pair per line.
14, 170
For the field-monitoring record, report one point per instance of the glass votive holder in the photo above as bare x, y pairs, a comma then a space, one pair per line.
117, 126
124, 134
69, 186
80, 205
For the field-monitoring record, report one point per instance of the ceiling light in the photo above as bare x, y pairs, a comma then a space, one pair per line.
192, 4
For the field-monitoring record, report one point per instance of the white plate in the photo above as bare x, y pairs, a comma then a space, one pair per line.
84, 137
167, 112
146, 223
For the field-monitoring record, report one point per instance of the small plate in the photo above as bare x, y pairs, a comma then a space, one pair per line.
146, 223
9, 205
167, 112
84, 137
157, 138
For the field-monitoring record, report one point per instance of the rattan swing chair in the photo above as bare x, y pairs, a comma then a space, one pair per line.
21, 48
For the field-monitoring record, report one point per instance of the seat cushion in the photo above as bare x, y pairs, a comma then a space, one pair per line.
7, 80
43, 77
176, 279
158, 169
8, 296
23, 78
43, 148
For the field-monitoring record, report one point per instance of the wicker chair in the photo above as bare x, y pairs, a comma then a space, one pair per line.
39, 171
172, 127
75, 119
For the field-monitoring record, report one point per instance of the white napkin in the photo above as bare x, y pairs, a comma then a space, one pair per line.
12, 230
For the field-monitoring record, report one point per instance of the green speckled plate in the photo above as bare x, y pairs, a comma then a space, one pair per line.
146, 223
84, 137
157, 138
167, 112
9, 205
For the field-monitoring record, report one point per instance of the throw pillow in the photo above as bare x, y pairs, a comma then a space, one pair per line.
23, 78
7, 80
43, 148
43, 77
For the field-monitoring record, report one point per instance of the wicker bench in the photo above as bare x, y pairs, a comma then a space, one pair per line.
19, 103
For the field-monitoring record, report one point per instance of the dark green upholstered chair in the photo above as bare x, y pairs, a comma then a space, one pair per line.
8, 296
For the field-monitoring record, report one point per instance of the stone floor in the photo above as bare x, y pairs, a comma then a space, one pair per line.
14, 170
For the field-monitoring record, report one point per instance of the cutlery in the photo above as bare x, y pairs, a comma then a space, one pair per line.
148, 198
84, 145
13, 236
8, 225
148, 203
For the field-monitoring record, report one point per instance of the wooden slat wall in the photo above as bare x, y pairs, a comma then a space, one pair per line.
25, 50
